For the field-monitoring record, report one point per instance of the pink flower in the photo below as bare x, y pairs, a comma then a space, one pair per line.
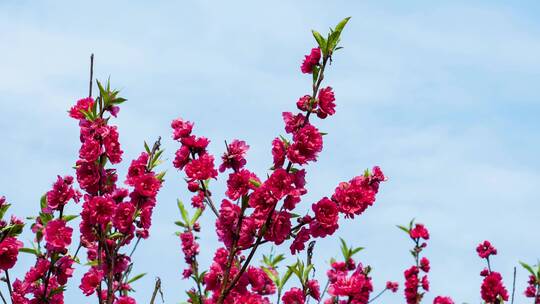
201, 168
125, 300
181, 128
411, 285
485, 250
88, 175
226, 224
392, 286
90, 150
278, 152
425, 283
280, 227
84, 104
9, 250
234, 157
64, 269
112, 146
293, 296
61, 193
424, 264
260, 282
137, 169
355, 196
300, 240
492, 288
419, 232
326, 102
123, 218
58, 235
182, 157
307, 143
304, 103
310, 61
443, 300
314, 289
358, 286
326, 218
293, 123
239, 183
190, 248
90, 281
148, 185
195, 144
98, 210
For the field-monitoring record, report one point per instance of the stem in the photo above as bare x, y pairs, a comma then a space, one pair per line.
157, 288
378, 295
77, 251
208, 198
9, 284
3, 299
227, 289
324, 291
135, 247
232, 253
513, 286
91, 75
248, 260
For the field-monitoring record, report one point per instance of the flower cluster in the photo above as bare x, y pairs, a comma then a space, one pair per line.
257, 210
111, 216
416, 278
492, 290
45, 281
349, 281
419, 234
9, 231
533, 284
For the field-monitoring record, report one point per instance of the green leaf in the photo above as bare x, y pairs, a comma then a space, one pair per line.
135, 278
315, 74
403, 228
320, 41
286, 277
356, 250
116, 235
254, 182
342, 24
161, 175
183, 211
68, 218
147, 148
344, 249
196, 216
528, 267
181, 224
3, 210
43, 201
29, 250
270, 274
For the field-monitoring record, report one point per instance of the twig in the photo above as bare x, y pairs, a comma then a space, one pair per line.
324, 291
91, 75
3, 299
157, 288
9, 284
262, 231
378, 295
514, 286
135, 246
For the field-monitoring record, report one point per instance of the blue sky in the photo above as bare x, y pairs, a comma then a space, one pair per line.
442, 95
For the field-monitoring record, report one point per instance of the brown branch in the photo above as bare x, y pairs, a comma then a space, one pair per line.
157, 288
91, 75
